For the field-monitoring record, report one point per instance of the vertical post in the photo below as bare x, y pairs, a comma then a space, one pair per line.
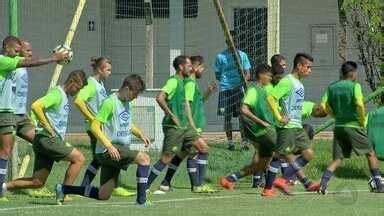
273, 24
176, 31
13, 30
149, 43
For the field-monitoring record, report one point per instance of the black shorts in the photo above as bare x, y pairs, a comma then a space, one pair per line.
230, 102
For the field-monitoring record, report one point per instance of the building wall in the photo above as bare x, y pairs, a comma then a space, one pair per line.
45, 24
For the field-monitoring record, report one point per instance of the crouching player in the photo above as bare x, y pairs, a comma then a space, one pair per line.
52, 112
258, 127
113, 129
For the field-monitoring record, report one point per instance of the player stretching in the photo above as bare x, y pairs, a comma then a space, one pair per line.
343, 101
113, 129
196, 164
290, 136
52, 112
9, 62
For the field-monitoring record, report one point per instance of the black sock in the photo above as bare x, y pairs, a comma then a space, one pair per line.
325, 178
85, 191
257, 177
202, 162
192, 168
90, 173
273, 168
284, 166
155, 171
142, 180
234, 177
305, 181
297, 165
171, 170
3, 173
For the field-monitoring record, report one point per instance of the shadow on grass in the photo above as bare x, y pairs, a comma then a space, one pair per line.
43, 202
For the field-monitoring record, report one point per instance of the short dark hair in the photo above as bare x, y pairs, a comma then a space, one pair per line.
347, 67
96, 62
179, 60
77, 76
260, 69
197, 59
134, 82
300, 59
11, 39
309, 130
276, 59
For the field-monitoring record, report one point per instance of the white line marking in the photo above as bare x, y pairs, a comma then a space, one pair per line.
129, 204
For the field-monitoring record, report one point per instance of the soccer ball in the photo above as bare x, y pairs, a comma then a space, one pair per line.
372, 184
66, 49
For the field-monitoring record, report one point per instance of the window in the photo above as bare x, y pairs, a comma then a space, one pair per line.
134, 9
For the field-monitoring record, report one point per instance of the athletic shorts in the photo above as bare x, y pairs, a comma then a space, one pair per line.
230, 102
23, 124
7, 122
178, 139
290, 140
348, 139
110, 168
265, 144
48, 150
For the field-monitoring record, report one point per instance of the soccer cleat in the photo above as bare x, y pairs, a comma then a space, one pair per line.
225, 183
40, 193
146, 204
67, 198
122, 192
282, 185
59, 194
158, 192
269, 193
165, 188
313, 187
322, 190
203, 189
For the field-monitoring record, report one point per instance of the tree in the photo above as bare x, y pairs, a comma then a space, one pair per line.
365, 22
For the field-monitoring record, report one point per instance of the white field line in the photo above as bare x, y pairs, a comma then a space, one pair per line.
129, 204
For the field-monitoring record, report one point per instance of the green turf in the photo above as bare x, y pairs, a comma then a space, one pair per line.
351, 196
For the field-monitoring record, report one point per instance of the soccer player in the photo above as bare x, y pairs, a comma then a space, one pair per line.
343, 101
375, 124
113, 130
9, 62
177, 132
259, 128
52, 112
196, 163
231, 90
290, 135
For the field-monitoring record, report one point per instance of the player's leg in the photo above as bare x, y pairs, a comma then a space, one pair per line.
7, 125
76, 159
202, 156
173, 139
172, 168
94, 166
25, 128
143, 162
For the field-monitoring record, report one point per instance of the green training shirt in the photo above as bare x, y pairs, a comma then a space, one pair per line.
193, 95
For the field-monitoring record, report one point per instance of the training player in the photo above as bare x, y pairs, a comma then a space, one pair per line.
113, 129
290, 135
52, 112
177, 132
9, 62
89, 101
343, 101
196, 164
259, 128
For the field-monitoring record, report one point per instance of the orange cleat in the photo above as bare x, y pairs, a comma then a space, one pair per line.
269, 193
227, 184
313, 187
282, 185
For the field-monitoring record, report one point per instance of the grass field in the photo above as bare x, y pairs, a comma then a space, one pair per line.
349, 193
